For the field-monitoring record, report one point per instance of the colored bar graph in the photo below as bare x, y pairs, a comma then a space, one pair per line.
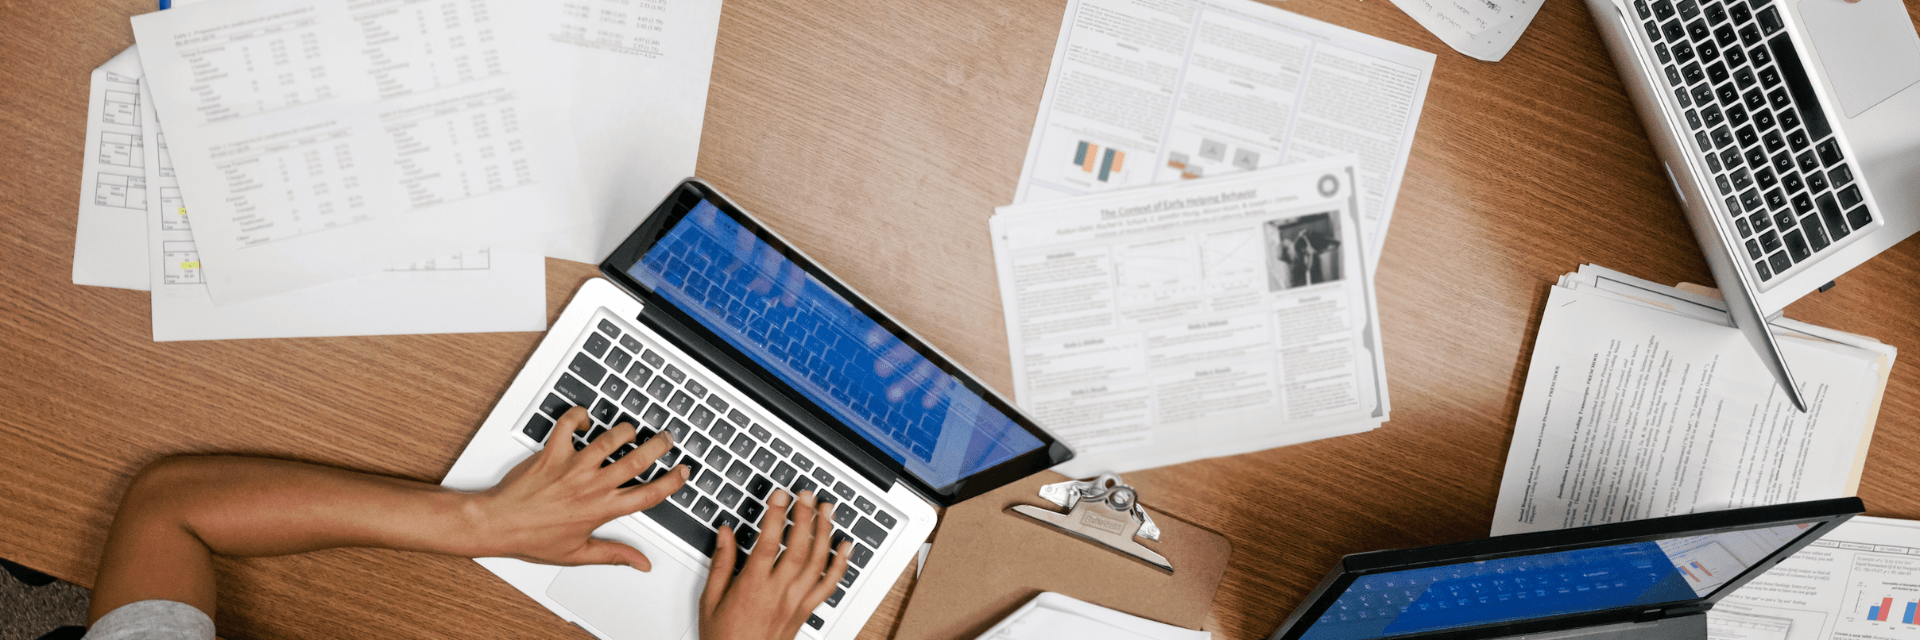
1702, 569
1080, 153
1106, 165
1690, 575
1119, 158
1886, 608
1911, 606
1873, 613
1093, 155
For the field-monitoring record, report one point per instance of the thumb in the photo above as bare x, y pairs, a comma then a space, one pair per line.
598, 551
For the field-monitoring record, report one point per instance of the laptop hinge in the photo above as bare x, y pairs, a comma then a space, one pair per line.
1675, 612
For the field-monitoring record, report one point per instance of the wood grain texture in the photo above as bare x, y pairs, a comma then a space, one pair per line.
878, 136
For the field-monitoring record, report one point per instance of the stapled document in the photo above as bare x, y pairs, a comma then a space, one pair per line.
109, 240
1144, 93
1052, 616
1482, 29
1641, 401
318, 141
1195, 319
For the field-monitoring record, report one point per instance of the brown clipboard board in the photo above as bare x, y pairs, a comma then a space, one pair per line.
987, 562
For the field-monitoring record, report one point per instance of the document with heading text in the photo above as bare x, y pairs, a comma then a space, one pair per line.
317, 141
1641, 401
1151, 91
1197, 319
1860, 581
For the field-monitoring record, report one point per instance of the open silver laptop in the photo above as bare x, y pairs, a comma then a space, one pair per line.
1790, 129
1645, 580
772, 375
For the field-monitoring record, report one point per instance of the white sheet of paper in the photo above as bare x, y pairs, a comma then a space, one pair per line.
109, 244
1481, 29
1829, 590
461, 292
1632, 411
1145, 93
319, 140
1195, 319
635, 74
1052, 616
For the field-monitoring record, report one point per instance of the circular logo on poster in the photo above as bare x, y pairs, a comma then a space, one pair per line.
1329, 185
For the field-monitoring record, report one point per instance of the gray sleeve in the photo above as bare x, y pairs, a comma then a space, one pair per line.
153, 620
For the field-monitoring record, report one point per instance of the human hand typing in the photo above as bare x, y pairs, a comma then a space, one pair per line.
546, 508
775, 591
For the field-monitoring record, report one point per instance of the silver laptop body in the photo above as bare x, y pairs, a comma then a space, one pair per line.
1780, 203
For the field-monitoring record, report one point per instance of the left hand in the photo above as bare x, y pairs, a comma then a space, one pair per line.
546, 508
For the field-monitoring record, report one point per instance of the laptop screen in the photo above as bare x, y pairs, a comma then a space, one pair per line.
730, 281
1550, 584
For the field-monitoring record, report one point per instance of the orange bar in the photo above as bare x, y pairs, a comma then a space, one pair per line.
1093, 156
1119, 158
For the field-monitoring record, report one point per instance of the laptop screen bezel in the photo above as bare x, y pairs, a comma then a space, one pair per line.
1824, 515
790, 403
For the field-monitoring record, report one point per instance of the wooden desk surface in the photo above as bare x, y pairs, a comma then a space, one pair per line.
878, 136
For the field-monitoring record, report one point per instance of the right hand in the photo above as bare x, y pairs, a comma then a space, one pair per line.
775, 591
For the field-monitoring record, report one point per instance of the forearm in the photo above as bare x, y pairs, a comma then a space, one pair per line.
179, 512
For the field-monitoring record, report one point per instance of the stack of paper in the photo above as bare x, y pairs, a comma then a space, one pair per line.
386, 166
1483, 29
1187, 270
1052, 616
1197, 319
1641, 401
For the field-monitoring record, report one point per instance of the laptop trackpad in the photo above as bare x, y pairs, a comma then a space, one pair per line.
1868, 48
625, 604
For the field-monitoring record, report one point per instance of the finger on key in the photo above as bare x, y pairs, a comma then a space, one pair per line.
571, 422
799, 537
761, 560
637, 460
830, 581
647, 495
817, 559
603, 446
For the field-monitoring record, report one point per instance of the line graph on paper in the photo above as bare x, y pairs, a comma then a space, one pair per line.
1159, 269
1231, 259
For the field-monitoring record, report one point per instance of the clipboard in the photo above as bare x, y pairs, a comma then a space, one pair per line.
987, 562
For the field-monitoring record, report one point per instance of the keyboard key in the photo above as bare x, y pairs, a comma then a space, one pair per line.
618, 359
660, 388
846, 579
1640, 7
718, 457
1690, 73
1802, 204
1773, 141
686, 495
680, 403
608, 328
1708, 51
1759, 221
763, 460
802, 483
1770, 20
845, 516
613, 386
656, 416
1745, 229
575, 391
630, 344
825, 479
1673, 31
815, 621
1735, 55
597, 344
698, 390
1782, 163
709, 482
1756, 157
1792, 181
555, 406
722, 432
804, 463
1764, 177
1722, 137
740, 473
745, 535
1763, 118
693, 531
759, 432
1859, 217
864, 505
1753, 250
1816, 182
1742, 180
604, 411
537, 428
1728, 95
843, 490
636, 403
675, 374
783, 473
1716, 73
701, 417
885, 519
638, 374
1766, 272
869, 533
781, 447
737, 417
729, 496
1662, 9
1780, 262
750, 510
671, 456
1849, 197
652, 359
1816, 233
1731, 158
861, 555
1701, 94
719, 405
742, 446
1840, 175
759, 487
1710, 114
1797, 246
834, 600
697, 444
1746, 135
1770, 241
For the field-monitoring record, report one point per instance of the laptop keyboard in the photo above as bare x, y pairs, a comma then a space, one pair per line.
736, 460
1759, 125
1470, 587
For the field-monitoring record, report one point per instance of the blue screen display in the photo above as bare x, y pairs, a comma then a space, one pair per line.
1552, 584
767, 307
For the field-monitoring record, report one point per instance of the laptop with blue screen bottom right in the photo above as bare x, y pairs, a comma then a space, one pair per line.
1653, 579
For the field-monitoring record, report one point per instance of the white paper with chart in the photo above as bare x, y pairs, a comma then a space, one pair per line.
1151, 92
1196, 319
1859, 582
470, 291
109, 240
317, 141
1641, 401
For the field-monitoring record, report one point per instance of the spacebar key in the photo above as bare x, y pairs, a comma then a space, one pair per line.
683, 525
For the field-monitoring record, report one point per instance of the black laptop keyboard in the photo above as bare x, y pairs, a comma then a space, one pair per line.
736, 461
1759, 125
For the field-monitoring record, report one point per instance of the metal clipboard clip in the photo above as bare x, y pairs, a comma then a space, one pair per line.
1103, 510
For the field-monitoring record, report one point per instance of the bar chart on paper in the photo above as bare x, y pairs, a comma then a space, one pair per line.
1885, 597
